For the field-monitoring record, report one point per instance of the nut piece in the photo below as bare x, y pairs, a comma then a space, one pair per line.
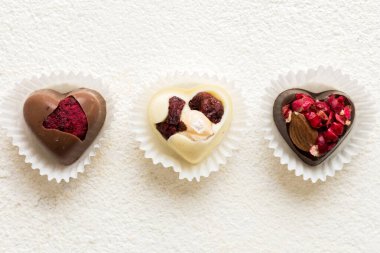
198, 126
301, 133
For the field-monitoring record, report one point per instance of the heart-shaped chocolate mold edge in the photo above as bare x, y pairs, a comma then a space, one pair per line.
287, 97
68, 148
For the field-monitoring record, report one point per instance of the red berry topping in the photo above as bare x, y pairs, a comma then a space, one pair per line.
322, 106
330, 136
336, 103
286, 111
68, 117
209, 105
321, 142
337, 128
302, 103
314, 120
172, 124
347, 112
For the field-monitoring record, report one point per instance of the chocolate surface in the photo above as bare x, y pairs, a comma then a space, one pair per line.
287, 97
65, 146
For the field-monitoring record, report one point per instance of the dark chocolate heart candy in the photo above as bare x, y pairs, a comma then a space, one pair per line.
66, 123
287, 97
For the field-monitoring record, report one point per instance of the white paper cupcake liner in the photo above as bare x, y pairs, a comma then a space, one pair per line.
316, 81
161, 154
12, 120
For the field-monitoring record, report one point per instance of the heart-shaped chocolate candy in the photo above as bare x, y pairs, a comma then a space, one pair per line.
65, 123
301, 129
192, 121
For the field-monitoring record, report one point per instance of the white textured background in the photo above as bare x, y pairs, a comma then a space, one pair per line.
125, 204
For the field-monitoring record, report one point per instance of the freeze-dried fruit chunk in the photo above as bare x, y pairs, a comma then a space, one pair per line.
347, 112
68, 117
337, 128
322, 106
172, 124
336, 103
168, 130
287, 113
314, 120
302, 103
209, 105
330, 136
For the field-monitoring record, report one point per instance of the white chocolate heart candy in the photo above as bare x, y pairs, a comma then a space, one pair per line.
201, 135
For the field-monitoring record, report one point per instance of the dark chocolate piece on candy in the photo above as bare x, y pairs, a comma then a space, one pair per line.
288, 97
66, 124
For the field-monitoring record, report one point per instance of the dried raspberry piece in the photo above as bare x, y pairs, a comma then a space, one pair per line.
323, 116
330, 119
302, 103
322, 145
210, 106
330, 136
168, 130
322, 106
324, 112
340, 118
314, 120
175, 108
336, 103
337, 128
287, 113
172, 124
347, 112
68, 117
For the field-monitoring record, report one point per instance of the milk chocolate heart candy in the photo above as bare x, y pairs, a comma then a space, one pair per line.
191, 121
313, 124
65, 123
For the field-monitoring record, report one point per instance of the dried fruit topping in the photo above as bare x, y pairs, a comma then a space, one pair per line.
287, 113
337, 128
321, 144
314, 119
209, 105
322, 106
336, 103
330, 136
329, 118
347, 112
172, 124
302, 103
68, 117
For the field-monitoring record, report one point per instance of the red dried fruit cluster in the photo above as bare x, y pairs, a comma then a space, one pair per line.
68, 117
172, 124
210, 106
329, 117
